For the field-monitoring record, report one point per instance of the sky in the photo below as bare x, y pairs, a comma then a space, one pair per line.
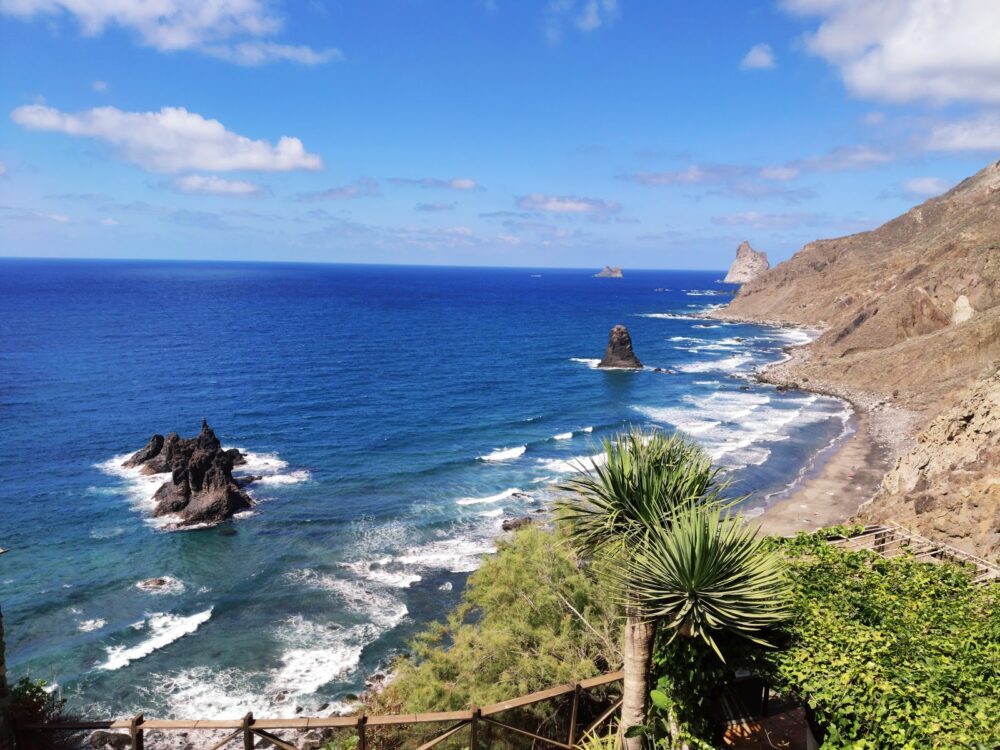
552, 133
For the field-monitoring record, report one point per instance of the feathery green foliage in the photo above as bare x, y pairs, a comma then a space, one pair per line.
531, 617
708, 572
636, 486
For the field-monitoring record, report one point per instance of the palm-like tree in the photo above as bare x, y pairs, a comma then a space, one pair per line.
616, 503
708, 573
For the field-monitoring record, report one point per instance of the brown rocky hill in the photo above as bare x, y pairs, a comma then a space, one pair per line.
910, 313
948, 485
912, 307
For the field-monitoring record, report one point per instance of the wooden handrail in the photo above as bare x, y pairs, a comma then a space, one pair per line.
249, 726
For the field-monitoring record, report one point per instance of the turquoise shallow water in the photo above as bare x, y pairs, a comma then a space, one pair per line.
399, 415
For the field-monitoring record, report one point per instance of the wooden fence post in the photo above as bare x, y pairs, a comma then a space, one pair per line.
362, 735
474, 728
135, 732
247, 734
571, 740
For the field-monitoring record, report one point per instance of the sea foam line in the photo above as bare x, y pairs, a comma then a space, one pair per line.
165, 629
504, 454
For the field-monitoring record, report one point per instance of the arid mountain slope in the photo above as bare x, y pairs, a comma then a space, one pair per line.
910, 313
948, 485
911, 308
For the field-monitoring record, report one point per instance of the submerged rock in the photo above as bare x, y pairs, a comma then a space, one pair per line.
513, 524
749, 264
619, 352
201, 489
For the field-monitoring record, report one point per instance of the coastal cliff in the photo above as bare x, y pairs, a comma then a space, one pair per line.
948, 485
749, 264
910, 317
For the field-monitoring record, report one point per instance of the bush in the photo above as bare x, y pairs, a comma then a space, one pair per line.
531, 617
891, 652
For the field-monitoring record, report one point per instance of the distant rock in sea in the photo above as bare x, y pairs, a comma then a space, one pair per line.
619, 354
749, 264
201, 489
609, 272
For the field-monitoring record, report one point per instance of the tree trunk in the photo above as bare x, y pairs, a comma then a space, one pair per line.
638, 650
6, 732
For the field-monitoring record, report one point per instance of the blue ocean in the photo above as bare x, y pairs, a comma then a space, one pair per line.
397, 415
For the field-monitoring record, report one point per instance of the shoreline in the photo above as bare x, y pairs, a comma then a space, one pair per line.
846, 474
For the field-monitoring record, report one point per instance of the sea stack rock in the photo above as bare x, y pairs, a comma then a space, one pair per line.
619, 354
748, 265
609, 272
201, 489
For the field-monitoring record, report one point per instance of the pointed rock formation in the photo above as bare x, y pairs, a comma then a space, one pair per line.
619, 354
201, 489
749, 264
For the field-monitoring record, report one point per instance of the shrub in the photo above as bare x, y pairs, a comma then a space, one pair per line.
891, 652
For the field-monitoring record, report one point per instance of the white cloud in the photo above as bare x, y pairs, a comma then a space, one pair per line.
109, 222
171, 140
363, 187
584, 15
760, 57
259, 53
3, 169
980, 133
566, 204
779, 174
455, 183
212, 185
874, 118
234, 30
909, 50
925, 186
101, 87
757, 220
844, 158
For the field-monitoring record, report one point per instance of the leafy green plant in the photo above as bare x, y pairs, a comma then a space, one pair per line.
32, 703
893, 652
612, 509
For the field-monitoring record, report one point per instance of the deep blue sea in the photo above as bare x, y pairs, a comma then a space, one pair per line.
399, 415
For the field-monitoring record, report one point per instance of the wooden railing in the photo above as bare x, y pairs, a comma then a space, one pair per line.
890, 540
369, 730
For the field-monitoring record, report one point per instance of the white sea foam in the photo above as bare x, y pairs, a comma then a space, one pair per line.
316, 654
489, 498
106, 533
563, 436
573, 465
384, 571
164, 629
726, 364
505, 454
492, 513
668, 316
169, 585
587, 429
591, 363
89, 626
456, 555
292, 477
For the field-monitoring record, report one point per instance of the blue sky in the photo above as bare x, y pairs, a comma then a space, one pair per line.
652, 134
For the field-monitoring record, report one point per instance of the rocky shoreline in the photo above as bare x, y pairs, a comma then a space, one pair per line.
843, 479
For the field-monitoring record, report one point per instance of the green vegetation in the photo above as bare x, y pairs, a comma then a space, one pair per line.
654, 509
531, 617
887, 653
891, 652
